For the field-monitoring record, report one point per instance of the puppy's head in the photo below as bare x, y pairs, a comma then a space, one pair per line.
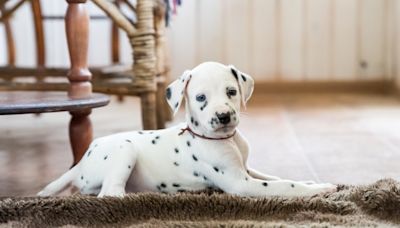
214, 94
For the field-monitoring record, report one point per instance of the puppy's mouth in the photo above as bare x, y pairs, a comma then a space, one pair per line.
225, 128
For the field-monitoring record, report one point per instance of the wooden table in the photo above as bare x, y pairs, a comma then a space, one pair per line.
80, 129
22, 102
78, 98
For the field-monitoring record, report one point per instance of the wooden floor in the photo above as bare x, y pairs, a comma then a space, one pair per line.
349, 139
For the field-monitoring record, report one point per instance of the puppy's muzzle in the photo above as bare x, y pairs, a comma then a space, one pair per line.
224, 118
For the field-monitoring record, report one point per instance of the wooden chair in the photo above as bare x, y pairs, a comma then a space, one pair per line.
78, 101
146, 78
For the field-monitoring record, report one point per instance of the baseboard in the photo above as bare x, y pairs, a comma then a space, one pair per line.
374, 87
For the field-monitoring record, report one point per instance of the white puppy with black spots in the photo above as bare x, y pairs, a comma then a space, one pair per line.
205, 151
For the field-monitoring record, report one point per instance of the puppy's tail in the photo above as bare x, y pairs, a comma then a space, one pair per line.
60, 184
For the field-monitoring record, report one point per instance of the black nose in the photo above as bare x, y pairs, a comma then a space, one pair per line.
224, 118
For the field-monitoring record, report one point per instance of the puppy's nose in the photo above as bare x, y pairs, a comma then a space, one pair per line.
224, 118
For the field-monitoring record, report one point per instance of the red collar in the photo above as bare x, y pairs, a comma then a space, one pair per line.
203, 136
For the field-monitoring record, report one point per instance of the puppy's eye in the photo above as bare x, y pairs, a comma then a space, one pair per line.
201, 97
231, 92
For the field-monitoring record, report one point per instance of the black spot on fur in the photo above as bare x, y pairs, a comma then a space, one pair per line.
89, 152
222, 172
159, 188
176, 163
87, 182
243, 77
265, 184
205, 178
168, 93
105, 157
157, 137
196, 123
163, 185
188, 143
216, 169
176, 150
194, 158
129, 141
181, 190
234, 73
95, 146
153, 141
214, 121
196, 174
292, 185
140, 132
191, 119
204, 106
176, 185
246, 178
176, 105
129, 167
81, 177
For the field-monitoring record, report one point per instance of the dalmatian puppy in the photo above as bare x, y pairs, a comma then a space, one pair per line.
206, 151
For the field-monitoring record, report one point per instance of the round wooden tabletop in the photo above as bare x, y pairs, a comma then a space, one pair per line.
22, 102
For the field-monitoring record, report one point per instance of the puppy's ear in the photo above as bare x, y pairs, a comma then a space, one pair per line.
176, 90
246, 84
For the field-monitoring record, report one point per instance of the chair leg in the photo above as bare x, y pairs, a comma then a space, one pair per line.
148, 104
160, 105
80, 134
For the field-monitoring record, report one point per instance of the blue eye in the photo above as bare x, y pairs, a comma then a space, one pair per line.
201, 97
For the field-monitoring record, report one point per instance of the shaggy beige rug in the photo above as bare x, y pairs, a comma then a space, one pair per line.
376, 205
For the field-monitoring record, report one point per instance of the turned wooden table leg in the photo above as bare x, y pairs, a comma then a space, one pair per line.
77, 30
80, 134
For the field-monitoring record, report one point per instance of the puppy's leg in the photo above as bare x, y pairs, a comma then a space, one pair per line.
122, 164
256, 187
258, 175
237, 181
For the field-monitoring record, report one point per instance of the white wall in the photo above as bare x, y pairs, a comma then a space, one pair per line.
273, 40
285, 39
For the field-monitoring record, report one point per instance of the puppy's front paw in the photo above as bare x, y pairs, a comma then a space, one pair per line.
323, 188
112, 191
101, 195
